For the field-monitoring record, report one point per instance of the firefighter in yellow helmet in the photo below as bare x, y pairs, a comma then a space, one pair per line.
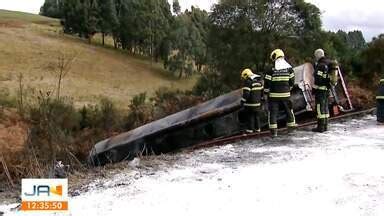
252, 96
380, 102
325, 77
278, 85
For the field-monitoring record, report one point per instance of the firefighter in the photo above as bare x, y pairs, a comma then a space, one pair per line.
278, 85
252, 96
380, 103
324, 79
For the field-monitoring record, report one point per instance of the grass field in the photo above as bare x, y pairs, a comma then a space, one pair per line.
26, 17
31, 45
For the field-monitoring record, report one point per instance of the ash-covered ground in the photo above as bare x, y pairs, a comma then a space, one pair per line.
336, 173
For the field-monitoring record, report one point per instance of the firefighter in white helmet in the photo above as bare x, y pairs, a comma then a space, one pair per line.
325, 75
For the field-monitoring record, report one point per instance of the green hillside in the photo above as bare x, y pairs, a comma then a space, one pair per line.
31, 45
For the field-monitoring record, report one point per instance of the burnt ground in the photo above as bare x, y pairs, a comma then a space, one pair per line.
347, 139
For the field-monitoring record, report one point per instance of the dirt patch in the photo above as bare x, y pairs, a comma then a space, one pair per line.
11, 24
13, 132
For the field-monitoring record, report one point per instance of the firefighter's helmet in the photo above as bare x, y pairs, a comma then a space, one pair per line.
245, 74
319, 53
277, 53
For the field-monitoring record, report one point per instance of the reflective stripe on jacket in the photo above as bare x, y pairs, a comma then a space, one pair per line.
278, 83
321, 74
252, 92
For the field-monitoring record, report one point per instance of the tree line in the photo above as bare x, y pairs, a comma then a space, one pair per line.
234, 35
244, 32
143, 27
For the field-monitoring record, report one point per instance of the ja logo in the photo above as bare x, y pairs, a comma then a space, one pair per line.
41, 190
44, 195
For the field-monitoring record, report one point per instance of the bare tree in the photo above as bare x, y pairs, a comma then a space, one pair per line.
64, 63
20, 101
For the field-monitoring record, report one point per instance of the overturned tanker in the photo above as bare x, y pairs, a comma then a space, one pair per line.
219, 117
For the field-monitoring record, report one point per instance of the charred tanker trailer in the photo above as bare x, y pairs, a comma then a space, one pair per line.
219, 117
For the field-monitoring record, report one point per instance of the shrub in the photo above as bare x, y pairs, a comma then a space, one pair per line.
102, 116
167, 101
53, 123
6, 100
141, 112
210, 85
362, 98
372, 61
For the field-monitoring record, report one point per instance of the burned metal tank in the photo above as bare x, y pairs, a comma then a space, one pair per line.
219, 117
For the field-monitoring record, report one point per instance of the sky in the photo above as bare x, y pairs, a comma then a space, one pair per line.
336, 14
367, 15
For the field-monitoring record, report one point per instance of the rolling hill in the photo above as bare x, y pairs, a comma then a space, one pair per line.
30, 45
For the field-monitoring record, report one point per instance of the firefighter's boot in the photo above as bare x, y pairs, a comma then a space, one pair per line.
274, 133
325, 125
320, 126
292, 127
